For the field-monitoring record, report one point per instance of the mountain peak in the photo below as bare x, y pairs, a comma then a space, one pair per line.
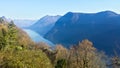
3, 17
43, 25
48, 16
108, 12
69, 12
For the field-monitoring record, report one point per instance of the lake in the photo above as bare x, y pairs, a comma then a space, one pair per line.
36, 37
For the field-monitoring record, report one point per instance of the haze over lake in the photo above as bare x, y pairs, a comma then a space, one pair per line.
37, 37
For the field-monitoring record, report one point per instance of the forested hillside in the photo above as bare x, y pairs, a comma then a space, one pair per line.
17, 50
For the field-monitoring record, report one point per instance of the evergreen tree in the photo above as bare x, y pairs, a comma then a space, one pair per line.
11, 37
61, 63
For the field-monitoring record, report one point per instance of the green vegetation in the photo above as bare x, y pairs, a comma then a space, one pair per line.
83, 55
61, 63
24, 59
18, 51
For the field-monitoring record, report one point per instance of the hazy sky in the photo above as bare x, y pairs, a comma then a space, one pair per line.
35, 9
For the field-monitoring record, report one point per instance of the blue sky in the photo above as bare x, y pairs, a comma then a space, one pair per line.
35, 9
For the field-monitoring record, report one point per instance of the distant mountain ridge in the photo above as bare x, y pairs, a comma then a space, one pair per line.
43, 25
102, 28
24, 23
6, 19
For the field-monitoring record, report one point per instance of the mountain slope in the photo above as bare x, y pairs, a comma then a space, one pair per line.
10, 34
43, 25
102, 28
24, 23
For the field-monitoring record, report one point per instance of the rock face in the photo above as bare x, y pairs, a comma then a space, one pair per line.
43, 25
102, 28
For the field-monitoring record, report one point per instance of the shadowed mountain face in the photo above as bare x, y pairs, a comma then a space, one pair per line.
43, 25
102, 28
